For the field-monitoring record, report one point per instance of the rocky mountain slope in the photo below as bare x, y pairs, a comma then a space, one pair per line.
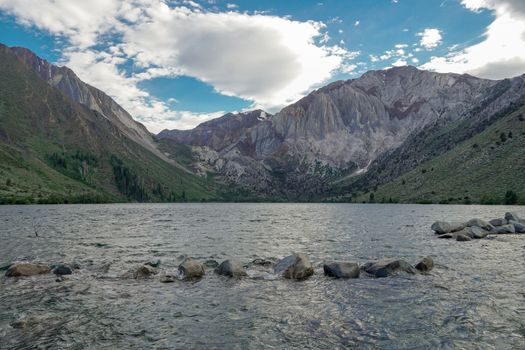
54, 150
338, 130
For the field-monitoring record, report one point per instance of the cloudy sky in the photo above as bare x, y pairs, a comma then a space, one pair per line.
174, 64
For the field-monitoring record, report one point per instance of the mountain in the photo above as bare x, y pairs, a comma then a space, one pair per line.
54, 149
340, 131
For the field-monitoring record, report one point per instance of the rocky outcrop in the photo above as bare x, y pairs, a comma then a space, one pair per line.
389, 267
342, 270
231, 268
191, 269
425, 265
27, 269
296, 266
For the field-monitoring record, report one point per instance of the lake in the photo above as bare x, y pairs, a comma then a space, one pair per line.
473, 299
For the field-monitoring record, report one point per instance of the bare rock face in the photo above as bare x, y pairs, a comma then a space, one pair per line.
191, 269
296, 266
27, 269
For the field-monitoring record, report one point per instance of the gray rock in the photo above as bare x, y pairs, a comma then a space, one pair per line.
342, 270
385, 268
168, 277
518, 226
145, 271
441, 227
231, 268
296, 266
191, 269
480, 223
463, 238
512, 216
27, 269
498, 222
446, 236
473, 232
426, 264
62, 270
505, 229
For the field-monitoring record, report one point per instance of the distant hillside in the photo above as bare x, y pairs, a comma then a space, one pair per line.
54, 150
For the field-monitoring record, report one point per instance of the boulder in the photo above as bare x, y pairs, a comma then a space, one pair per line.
505, 229
463, 238
473, 232
480, 223
498, 222
342, 270
512, 216
145, 271
62, 270
296, 266
518, 226
385, 268
441, 227
231, 268
425, 265
191, 269
27, 269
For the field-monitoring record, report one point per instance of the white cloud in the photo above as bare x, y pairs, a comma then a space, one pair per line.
401, 46
356, 23
268, 60
400, 62
501, 54
430, 38
232, 6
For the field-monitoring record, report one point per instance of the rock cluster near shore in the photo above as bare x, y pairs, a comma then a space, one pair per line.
477, 228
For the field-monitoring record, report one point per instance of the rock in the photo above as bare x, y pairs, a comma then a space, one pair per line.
426, 264
262, 262
168, 277
27, 269
512, 216
473, 232
385, 268
211, 263
152, 263
5, 267
62, 270
446, 236
441, 227
463, 238
480, 223
295, 266
145, 271
342, 270
231, 268
518, 226
191, 269
498, 222
505, 229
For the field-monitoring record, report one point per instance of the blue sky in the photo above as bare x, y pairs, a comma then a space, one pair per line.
174, 64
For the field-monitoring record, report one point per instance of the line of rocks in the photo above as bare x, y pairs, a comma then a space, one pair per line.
478, 229
296, 266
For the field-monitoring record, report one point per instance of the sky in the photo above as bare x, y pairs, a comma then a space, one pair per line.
174, 64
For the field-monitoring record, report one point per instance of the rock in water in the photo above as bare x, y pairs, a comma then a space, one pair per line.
442, 227
62, 270
498, 222
426, 264
27, 269
385, 268
518, 226
512, 216
231, 268
505, 229
296, 266
168, 277
211, 263
191, 269
342, 270
463, 238
480, 223
144, 271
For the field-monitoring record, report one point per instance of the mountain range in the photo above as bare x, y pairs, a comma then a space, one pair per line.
395, 135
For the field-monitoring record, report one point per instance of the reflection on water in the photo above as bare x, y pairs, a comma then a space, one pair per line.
474, 298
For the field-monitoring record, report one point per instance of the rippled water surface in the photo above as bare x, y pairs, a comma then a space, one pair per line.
473, 299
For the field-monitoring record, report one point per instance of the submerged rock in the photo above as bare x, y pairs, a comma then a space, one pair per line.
498, 222
191, 269
425, 265
27, 269
231, 268
62, 270
512, 216
463, 238
296, 266
144, 271
389, 267
342, 270
505, 229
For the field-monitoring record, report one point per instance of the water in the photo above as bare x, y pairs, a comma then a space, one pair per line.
473, 299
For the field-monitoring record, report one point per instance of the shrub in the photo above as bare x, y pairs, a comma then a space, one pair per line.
511, 197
